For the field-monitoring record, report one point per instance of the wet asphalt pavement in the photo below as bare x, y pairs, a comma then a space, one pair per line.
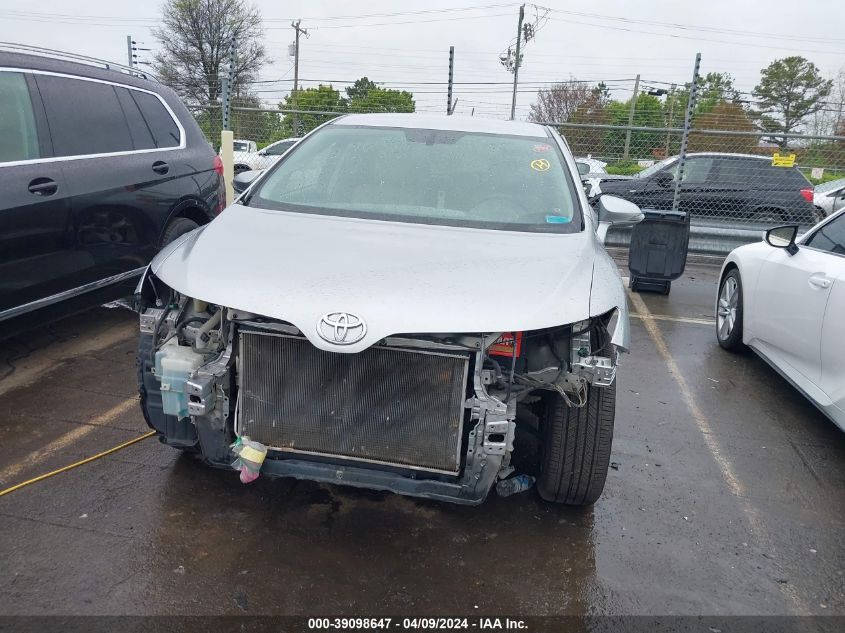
727, 496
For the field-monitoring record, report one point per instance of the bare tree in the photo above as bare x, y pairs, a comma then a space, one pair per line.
195, 37
830, 118
559, 102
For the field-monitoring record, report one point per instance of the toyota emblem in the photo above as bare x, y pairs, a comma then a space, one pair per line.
341, 328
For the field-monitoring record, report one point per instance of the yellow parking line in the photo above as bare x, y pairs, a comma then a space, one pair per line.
66, 440
109, 451
726, 468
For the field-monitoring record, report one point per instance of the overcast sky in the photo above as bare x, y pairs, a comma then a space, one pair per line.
610, 40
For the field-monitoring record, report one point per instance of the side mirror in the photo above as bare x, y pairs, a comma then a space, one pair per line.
783, 237
614, 211
664, 179
243, 180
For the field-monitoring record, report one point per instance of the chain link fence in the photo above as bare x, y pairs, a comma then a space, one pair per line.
731, 178
261, 135
734, 179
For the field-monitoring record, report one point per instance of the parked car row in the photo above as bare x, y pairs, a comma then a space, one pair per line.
340, 314
99, 170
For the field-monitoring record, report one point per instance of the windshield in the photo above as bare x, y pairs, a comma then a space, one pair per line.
241, 146
277, 149
426, 176
648, 171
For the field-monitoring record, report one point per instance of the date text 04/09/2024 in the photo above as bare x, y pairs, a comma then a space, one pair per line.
429, 624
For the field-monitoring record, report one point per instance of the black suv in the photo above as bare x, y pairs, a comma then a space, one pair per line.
98, 170
723, 186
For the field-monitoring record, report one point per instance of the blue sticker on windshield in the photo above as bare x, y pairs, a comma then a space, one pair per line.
557, 219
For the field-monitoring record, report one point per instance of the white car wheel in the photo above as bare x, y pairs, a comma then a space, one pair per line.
729, 312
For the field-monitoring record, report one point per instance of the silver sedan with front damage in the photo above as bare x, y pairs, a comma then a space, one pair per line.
388, 306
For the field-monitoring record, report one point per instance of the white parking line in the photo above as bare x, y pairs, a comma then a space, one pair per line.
676, 319
710, 439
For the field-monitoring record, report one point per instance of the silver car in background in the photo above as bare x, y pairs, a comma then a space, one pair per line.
829, 197
378, 306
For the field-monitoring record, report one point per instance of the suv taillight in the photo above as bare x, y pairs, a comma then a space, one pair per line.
808, 194
218, 165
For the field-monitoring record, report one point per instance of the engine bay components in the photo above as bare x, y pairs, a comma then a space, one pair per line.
174, 364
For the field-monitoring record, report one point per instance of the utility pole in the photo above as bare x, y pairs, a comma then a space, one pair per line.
129, 49
516, 62
671, 115
682, 155
631, 117
451, 75
299, 31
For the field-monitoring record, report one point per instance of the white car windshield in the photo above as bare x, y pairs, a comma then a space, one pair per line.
426, 176
241, 146
830, 185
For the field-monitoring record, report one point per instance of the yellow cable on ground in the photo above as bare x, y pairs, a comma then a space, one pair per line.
79, 463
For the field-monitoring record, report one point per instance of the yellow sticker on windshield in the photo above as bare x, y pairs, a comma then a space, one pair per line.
783, 160
540, 164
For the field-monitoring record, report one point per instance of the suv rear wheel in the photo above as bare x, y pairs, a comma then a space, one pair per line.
177, 228
576, 445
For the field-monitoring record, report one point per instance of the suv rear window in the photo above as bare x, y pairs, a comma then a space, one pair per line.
767, 176
163, 127
17, 120
85, 117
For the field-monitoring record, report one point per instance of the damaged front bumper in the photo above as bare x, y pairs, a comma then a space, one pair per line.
197, 410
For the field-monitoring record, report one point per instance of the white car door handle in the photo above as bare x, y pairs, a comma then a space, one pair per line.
820, 281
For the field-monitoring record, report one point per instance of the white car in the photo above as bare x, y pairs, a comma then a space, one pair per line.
785, 299
262, 159
373, 307
242, 148
829, 196
590, 166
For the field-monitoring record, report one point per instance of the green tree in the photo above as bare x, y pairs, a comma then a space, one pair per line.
249, 122
319, 99
194, 39
360, 88
648, 112
589, 140
790, 90
725, 115
382, 100
713, 89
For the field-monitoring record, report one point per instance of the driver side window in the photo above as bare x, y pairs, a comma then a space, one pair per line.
830, 237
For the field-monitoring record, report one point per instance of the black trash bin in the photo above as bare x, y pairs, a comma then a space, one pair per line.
658, 252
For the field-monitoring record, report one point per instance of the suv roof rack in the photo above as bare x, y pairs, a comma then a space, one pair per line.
74, 57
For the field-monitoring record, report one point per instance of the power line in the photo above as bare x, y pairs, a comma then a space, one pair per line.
709, 29
690, 37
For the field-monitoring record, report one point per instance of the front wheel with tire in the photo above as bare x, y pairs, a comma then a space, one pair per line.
576, 444
729, 312
177, 228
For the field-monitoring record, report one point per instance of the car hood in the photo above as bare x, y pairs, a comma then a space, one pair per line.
398, 277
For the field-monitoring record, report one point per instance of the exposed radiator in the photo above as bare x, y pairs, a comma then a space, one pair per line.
383, 405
